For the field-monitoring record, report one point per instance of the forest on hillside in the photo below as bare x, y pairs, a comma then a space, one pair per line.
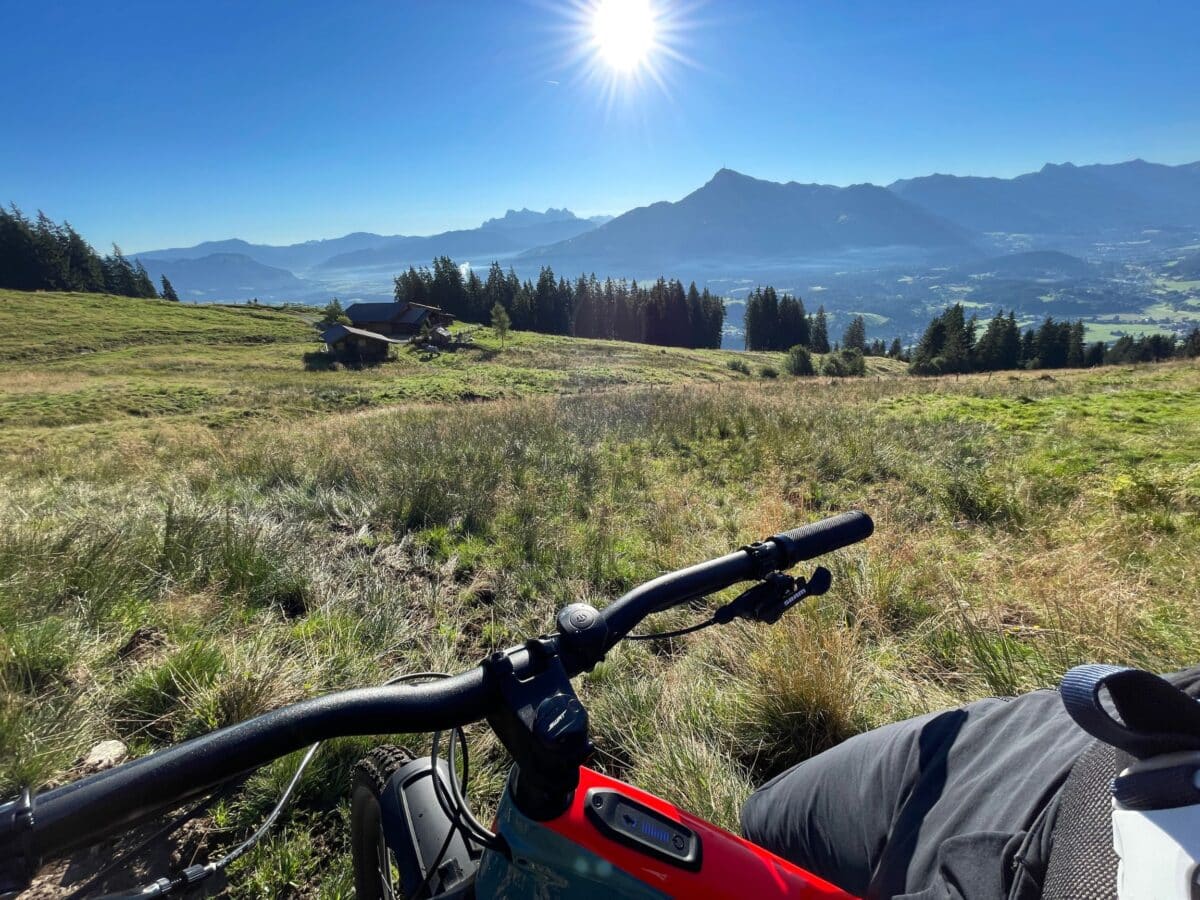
950, 345
664, 313
41, 255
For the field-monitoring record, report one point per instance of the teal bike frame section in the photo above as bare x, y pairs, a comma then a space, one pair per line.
547, 866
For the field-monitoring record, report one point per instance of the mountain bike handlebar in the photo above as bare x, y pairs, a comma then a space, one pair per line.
101, 805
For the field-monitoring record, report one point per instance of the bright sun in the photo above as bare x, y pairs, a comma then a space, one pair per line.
624, 32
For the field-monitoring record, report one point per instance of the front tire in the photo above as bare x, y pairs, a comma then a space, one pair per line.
374, 866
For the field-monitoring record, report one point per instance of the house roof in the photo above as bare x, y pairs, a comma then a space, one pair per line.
335, 333
415, 314
362, 313
403, 313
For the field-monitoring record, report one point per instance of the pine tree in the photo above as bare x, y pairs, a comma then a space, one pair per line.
523, 313
960, 339
168, 290
495, 289
49, 247
331, 313
475, 305
799, 361
752, 328
142, 282
947, 346
119, 277
1052, 344
413, 286
770, 315
1190, 348
820, 332
989, 352
714, 319
501, 322
1009, 355
855, 336
18, 261
545, 299
896, 351
86, 270
1029, 349
927, 356
446, 289
1075, 347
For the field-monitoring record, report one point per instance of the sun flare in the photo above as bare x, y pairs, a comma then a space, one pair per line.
623, 50
624, 33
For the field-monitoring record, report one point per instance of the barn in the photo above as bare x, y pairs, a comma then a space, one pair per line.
396, 319
357, 345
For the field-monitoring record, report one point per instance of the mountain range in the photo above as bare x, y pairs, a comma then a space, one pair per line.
735, 218
220, 276
738, 226
1064, 200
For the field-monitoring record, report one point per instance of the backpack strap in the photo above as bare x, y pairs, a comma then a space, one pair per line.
1155, 716
1081, 861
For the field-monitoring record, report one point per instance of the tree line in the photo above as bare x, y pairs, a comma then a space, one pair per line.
663, 312
951, 344
41, 255
774, 322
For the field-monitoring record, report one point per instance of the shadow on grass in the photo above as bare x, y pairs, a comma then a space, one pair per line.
320, 361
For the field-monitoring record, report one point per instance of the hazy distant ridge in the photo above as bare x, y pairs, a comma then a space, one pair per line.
739, 226
736, 217
1064, 199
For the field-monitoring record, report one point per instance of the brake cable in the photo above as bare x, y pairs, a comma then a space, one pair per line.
168, 829
678, 632
195, 874
765, 602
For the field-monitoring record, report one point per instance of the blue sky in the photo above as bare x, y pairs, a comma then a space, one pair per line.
163, 124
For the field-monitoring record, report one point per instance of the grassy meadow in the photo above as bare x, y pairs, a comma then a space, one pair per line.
196, 528
77, 370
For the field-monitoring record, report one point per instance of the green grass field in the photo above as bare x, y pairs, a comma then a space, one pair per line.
82, 368
1170, 284
197, 529
1110, 331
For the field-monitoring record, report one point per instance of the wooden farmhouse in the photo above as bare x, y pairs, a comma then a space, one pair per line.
396, 319
374, 327
351, 344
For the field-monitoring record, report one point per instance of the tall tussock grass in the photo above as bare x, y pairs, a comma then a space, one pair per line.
157, 589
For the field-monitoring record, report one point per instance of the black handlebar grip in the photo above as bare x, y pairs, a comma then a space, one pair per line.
823, 537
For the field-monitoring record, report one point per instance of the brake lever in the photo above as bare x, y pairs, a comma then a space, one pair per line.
768, 600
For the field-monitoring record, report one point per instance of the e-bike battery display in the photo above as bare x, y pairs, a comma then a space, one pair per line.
630, 823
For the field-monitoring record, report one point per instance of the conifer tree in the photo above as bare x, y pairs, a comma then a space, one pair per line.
1075, 347
501, 322
142, 282
168, 290
799, 361
119, 277
820, 332
475, 308
1190, 348
331, 313
1094, 355
855, 336
86, 271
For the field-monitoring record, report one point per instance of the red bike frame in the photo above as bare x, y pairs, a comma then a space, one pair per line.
731, 867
